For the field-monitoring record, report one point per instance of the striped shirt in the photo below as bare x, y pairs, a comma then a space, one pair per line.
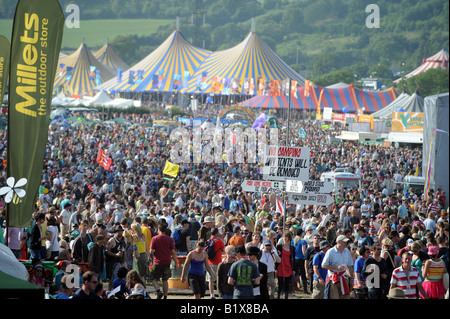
407, 282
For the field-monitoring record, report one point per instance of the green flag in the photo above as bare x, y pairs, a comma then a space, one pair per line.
35, 45
4, 65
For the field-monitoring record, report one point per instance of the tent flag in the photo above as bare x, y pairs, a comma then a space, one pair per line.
171, 169
35, 45
4, 65
104, 160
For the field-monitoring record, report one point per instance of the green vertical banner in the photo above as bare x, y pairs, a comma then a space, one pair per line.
35, 45
4, 65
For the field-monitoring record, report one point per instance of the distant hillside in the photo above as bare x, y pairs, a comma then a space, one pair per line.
314, 37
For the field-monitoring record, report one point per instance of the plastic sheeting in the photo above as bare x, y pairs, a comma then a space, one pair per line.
10, 265
436, 115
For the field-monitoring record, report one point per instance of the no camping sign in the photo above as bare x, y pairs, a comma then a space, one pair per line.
283, 163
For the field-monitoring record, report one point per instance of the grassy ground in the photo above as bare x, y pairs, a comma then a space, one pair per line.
96, 32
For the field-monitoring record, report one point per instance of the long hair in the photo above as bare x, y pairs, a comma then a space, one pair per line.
134, 278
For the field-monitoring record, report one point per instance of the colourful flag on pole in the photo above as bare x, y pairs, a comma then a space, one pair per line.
104, 160
171, 169
35, 45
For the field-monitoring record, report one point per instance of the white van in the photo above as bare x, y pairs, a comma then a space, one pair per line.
414, 182
342, 178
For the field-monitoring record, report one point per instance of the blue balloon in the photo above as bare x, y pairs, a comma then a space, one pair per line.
401, 109
345, 109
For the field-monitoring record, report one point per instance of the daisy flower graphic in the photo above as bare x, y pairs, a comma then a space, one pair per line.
13, 188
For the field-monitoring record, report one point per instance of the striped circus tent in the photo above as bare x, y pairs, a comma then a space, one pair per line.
107, 56
438, 60
166, 69
249, 68
79, 73
337, 99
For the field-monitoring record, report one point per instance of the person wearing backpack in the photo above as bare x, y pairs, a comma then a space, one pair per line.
181, 236
214, 248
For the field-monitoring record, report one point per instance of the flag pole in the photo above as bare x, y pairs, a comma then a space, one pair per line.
287, 145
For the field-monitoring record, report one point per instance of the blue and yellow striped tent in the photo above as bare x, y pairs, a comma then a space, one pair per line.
107, 56
80, 72
166, 69
248, 69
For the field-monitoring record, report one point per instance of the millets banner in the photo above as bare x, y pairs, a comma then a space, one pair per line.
4, 65
35, 45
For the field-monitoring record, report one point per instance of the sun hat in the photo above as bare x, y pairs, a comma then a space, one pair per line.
396, 293
433, 250
209, 219
323, 244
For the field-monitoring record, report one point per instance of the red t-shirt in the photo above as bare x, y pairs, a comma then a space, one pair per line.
219, 247
163, 246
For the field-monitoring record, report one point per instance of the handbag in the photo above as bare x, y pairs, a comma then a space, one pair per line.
445, 280
49, 249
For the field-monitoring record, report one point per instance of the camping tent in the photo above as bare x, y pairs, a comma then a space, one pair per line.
438, 60
80, 72
107, 56
249, 67
166, 69
398, 103
337, 99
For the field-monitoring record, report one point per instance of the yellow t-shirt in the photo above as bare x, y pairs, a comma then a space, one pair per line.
148, 235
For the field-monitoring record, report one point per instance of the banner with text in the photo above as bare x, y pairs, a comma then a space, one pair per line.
407, 122
310, 199
282, 163
309, 187
35, 45
262, 186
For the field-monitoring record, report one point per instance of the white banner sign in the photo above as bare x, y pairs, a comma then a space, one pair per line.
309, 187
282, 163
262, 186
310, 199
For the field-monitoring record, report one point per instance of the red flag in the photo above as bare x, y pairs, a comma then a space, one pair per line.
279, 207
104, 160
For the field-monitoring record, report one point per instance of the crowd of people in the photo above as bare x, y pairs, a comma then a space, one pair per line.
128, 227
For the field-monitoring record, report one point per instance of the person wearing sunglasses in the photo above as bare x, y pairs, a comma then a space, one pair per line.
87, 290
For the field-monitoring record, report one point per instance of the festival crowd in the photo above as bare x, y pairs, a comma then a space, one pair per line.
128, 228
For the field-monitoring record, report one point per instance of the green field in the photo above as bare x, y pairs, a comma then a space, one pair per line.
95, 32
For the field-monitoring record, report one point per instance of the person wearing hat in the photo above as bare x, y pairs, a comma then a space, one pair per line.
243, 275
205, 231
269, 256
433, 273
319, 273
115, 253
338, 261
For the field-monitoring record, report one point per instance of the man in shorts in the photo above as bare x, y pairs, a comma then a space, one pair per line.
162, 251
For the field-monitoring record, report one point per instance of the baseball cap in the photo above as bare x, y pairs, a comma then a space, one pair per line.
342, 238
267, 242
